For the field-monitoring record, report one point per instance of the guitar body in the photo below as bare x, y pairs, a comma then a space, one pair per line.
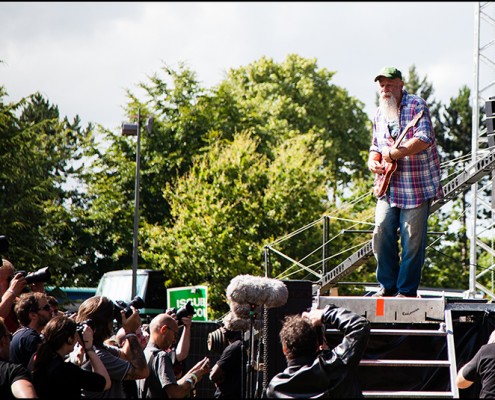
382, 181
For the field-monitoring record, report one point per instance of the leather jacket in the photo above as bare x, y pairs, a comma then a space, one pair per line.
331, 373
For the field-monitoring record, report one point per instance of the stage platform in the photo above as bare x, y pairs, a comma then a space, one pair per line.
416, 347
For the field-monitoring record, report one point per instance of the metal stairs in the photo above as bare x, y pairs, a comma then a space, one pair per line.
396, 316
452, 189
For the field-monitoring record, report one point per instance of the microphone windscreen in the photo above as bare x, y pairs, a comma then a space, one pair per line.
247, 289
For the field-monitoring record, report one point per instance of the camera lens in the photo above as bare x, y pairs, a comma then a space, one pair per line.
185, 311
216, 341
42, 275
119, 305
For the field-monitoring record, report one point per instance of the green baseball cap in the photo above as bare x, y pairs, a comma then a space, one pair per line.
390, 73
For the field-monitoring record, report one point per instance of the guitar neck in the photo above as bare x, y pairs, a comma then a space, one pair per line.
408, 126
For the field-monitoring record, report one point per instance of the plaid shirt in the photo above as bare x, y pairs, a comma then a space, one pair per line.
417, 177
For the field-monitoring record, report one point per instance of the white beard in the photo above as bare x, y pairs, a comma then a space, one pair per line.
389, 107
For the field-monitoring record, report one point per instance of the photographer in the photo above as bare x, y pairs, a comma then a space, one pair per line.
179, 352
312, 372
11, 286
227, 374
126, 363
15, 380
52, 375
34, 312
162, 382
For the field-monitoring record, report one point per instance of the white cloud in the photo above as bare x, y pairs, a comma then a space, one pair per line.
82, 56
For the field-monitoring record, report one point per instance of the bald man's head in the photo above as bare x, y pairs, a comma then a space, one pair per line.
163, 331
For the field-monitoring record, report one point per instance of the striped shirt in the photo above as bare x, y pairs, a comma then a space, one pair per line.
417, 177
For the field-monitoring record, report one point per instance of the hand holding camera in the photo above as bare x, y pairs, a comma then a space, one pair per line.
131, 323
119, 306
18, 283
186, 322
186, 311
85, 333
314, 316
35, 279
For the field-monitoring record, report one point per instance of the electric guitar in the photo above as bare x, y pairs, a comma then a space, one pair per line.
382, 181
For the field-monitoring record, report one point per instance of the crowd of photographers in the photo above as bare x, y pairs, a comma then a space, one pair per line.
102, 351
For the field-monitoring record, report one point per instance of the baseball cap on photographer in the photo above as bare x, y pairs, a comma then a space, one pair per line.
390, 73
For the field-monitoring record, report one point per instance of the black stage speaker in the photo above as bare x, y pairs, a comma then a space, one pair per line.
300, 299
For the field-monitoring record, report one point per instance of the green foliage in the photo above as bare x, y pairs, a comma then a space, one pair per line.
304, 134
38, 158
280, 101
220, 218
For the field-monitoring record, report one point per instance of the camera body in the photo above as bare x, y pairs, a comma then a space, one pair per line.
184, 311
119, 305
80, 326
42, 275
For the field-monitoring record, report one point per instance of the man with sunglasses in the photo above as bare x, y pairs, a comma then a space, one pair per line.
33, 312
161, 382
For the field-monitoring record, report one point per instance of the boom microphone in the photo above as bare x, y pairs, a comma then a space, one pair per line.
247, 289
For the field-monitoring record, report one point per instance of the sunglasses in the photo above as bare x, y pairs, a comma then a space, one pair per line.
46, 307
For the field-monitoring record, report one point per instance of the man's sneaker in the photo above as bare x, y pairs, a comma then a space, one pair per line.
400, 295
382, 292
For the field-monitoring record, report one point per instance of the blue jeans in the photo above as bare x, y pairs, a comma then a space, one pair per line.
400, 272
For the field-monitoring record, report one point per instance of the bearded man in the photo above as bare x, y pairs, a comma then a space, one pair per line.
404, 204
34, 312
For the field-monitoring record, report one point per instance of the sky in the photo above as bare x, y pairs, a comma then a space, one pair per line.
83, 56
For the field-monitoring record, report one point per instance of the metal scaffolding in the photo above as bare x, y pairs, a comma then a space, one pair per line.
484, 68
475, 176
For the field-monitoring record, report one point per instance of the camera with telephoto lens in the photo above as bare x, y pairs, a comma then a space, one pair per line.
80, 326
42, 275
184, 311
119, 305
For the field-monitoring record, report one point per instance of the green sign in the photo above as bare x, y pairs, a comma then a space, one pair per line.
178, 297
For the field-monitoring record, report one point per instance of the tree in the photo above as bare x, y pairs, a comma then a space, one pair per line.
230, 203
178, 134
38, 154
290, 110
280, 101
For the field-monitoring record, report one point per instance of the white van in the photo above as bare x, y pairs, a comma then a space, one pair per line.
150, 286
